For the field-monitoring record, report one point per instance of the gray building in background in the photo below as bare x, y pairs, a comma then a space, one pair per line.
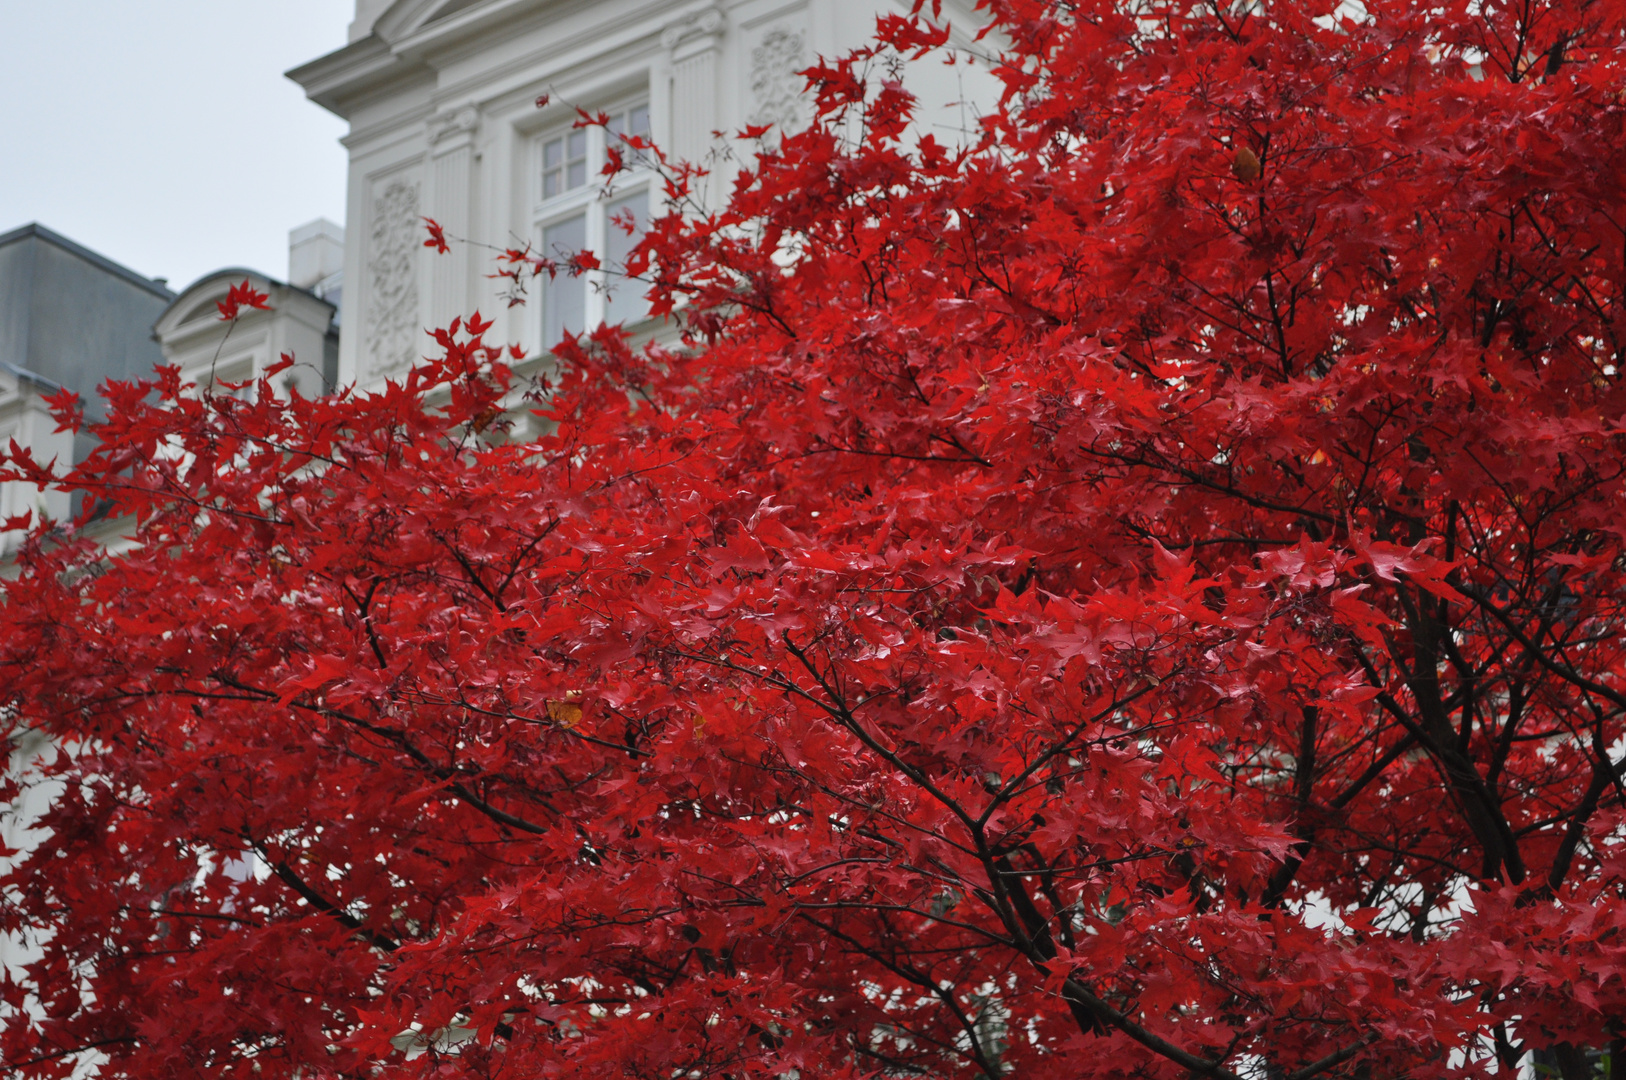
70, 317
73, 319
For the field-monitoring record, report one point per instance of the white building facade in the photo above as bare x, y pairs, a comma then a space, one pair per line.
442, 100
441, 97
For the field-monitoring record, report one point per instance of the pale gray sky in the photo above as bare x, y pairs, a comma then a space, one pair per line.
162, 134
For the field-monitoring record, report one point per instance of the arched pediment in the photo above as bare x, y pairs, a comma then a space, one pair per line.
195, 305
204, 310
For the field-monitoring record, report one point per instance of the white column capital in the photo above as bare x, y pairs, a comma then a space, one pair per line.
697, 32
453, 128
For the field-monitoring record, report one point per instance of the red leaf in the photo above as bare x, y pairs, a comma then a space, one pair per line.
241, 296
437, 236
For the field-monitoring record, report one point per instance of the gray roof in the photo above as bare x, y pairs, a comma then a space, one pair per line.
72, 318
101, 262
31, 376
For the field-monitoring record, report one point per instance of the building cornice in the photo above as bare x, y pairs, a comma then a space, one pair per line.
518, 75
343, 79
402, 50
397, 49
406, 125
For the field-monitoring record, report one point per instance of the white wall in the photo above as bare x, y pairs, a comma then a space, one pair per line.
443, 124
25, 417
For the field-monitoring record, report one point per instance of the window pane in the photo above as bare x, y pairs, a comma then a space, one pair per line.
632, 124
626, 298
553, 162
564, 163
564, 298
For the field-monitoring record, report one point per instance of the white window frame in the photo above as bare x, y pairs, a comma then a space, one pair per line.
592, 200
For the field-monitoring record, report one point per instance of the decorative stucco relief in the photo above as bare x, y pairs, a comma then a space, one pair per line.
392, 273
776, 88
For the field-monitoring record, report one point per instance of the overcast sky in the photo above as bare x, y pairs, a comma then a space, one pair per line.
162, 133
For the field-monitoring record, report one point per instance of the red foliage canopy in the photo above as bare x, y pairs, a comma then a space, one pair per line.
1139, 596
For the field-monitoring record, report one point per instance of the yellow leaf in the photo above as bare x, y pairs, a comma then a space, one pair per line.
1246, 167
567, 713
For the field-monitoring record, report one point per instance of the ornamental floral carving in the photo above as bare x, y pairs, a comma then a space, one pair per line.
776, 88
392, 303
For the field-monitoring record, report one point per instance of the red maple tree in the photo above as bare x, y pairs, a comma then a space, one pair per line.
1138, 595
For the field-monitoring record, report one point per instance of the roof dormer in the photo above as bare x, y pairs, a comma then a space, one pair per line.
210, 350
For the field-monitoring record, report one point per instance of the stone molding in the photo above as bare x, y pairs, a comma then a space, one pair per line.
453, 124
698, 31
